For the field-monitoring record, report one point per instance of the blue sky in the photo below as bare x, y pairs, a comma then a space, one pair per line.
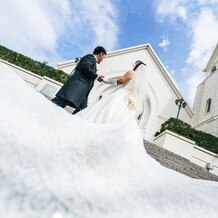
183, 33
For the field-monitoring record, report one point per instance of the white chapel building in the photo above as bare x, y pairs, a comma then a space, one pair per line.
162, 91
206, 99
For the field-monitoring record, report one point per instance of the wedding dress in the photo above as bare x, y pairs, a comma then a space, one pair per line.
116, 106
55, 165
120, 104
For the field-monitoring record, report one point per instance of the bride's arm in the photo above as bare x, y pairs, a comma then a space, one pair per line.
121, 80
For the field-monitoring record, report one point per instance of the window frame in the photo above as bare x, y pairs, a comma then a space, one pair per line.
208, 106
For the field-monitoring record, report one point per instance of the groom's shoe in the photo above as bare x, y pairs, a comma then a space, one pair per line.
59, 101
76, 111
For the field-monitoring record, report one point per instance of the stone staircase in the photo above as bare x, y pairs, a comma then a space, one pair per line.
178, 163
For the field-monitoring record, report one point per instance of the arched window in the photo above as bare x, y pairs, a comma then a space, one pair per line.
208, 105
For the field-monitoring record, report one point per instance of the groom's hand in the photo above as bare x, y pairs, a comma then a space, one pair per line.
100, 78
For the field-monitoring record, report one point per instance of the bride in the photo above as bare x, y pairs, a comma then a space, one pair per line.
55, 165
125, 101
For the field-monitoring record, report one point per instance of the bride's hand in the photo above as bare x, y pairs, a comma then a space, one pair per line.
100, 79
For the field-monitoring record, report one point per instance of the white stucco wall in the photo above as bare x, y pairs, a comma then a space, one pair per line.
202, 120
203, 157
175, 143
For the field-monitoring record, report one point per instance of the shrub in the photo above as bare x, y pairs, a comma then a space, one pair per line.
28, 63
202, 139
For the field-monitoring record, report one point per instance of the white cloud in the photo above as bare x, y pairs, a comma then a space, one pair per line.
164, 43
101, 16
170, 70
32, 27
204, 38
44, 29
172, 9
200, 17
207, 2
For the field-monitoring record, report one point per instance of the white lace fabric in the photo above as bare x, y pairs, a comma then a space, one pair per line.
56, 165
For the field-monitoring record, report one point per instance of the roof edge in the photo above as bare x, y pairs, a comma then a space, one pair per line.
111, 53
211, 58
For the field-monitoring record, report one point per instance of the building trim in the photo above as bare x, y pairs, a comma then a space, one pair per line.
205, 151
206, 121
211, 60
21, 69
203, 82
52, 81
175, 135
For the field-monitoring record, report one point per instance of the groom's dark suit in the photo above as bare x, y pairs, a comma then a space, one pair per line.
77, 88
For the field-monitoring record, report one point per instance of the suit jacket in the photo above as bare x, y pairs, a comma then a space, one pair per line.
77, 87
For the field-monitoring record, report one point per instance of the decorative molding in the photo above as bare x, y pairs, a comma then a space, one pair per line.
175, 135
205, 151
211, 60
205, 122
52, 81
110, 54
204, 81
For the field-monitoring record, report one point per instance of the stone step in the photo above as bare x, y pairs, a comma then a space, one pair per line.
185, 169
175, 162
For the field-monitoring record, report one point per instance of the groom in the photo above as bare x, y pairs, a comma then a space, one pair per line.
77, 88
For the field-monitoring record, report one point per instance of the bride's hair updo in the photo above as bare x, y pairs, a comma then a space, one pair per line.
137, 64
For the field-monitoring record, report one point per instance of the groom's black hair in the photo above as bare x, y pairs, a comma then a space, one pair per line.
99, 49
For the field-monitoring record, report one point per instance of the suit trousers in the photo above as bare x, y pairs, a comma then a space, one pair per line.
63, 103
